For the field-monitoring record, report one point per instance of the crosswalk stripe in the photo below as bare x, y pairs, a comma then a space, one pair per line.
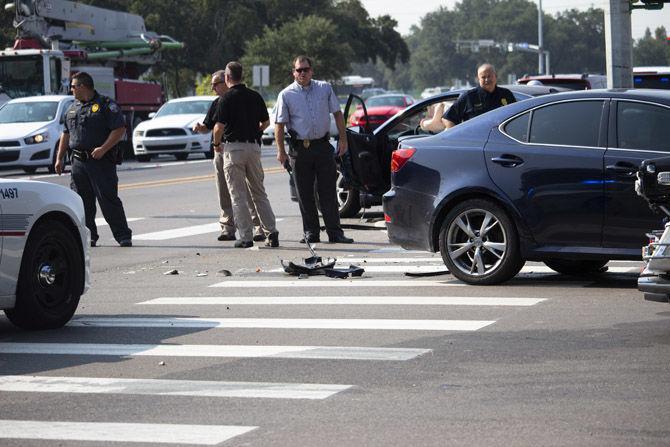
348, 300
286, 323
219, 351
101, 222
321, 283
174, 233
121, 432
179, 232
610, 269
158, 387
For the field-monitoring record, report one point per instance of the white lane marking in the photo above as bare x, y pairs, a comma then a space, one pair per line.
157, 387
386, 268
424, 260
101, 222
219, 351
287, 323
544, 269
396, 249
348, 300
380, 224
181, 232
121, 432
321, 283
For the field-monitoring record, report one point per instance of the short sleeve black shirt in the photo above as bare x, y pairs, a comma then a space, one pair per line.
209, 121
476, 101
89, 123
241, 110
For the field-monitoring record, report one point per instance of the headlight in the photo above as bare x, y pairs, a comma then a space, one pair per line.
37, 138
138, 133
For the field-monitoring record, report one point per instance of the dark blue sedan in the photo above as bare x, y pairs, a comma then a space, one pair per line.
547, 179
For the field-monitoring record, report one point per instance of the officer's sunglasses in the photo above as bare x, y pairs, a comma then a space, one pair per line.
303, 70
75, 85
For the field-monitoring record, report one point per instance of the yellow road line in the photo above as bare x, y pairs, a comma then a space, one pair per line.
182, 180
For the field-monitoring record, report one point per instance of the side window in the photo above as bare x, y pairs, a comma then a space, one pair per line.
567, 123
643, 126
55, 71
518, 127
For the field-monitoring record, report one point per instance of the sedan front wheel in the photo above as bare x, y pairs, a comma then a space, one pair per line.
479, 243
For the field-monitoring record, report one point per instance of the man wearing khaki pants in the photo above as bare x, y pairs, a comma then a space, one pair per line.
241, 117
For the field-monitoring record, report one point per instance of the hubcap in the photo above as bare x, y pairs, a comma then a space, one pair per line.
47, 275
476, 242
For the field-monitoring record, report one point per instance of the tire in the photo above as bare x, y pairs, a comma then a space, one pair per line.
50, 280
476, 255
576, 268
143, 158
348, 199
181, 157
29, 170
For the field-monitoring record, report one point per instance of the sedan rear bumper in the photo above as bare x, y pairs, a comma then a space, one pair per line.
410, 215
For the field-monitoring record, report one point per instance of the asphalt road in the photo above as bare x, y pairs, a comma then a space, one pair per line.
259, 358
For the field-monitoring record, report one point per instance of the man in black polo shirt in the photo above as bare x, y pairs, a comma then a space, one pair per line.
488, 96
241, 117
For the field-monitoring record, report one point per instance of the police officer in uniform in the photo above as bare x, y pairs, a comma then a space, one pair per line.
94, 125
304, 107
488, 96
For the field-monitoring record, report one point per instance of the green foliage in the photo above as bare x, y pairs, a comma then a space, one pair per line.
204, 87
652, 50
311, 35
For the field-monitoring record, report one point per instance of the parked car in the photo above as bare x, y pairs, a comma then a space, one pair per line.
379, 109
364, 177
30, 129
44, 262
169, 130
583, 81
432, 91
368, 92
547, 179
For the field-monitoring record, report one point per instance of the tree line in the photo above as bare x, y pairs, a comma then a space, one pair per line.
344, 39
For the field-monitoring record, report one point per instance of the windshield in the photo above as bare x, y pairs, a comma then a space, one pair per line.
397, 101
21, 76
28, 112
184, 107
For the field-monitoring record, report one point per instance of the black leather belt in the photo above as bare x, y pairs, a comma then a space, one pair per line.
307, 143
241, 141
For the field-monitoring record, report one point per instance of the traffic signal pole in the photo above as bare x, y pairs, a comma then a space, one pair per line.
618, 44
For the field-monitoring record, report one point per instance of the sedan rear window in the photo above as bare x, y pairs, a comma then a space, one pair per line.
518, 128
643, 126
567, 123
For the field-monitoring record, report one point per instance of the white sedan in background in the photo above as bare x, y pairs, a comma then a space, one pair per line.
30, 129
44, 257
169, 131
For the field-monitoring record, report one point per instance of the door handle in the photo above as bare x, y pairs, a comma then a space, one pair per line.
508, 160
625, 169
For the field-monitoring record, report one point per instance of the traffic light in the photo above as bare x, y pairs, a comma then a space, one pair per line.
648, 4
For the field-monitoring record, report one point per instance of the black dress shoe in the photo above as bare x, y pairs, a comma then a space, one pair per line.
226, 237
93, 243
260, 237
126, 243
311, 239
243, 244
273, 240
340, 239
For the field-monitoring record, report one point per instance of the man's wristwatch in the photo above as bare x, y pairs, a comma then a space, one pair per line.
216, 144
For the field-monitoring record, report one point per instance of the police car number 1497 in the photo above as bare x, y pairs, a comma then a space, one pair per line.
9, 193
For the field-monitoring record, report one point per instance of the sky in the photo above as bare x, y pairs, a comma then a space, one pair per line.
409, 13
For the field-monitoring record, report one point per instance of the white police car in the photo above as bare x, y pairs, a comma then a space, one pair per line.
169, 131
44, 254
30, 129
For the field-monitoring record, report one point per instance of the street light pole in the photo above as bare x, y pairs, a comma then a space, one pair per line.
540, 55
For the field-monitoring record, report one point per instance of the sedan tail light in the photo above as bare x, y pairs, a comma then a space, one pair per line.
400, 157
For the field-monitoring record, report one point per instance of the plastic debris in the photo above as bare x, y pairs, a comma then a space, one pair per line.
224, 272
172, 272
161, 363
201, 274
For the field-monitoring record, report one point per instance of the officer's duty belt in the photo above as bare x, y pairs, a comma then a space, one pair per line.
81, 155
307, 143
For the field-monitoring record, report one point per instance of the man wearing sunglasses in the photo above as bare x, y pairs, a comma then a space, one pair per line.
226, 218
304, 107
94, 125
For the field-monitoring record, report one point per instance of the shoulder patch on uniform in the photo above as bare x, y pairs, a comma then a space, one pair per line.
113, 107
95, 108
